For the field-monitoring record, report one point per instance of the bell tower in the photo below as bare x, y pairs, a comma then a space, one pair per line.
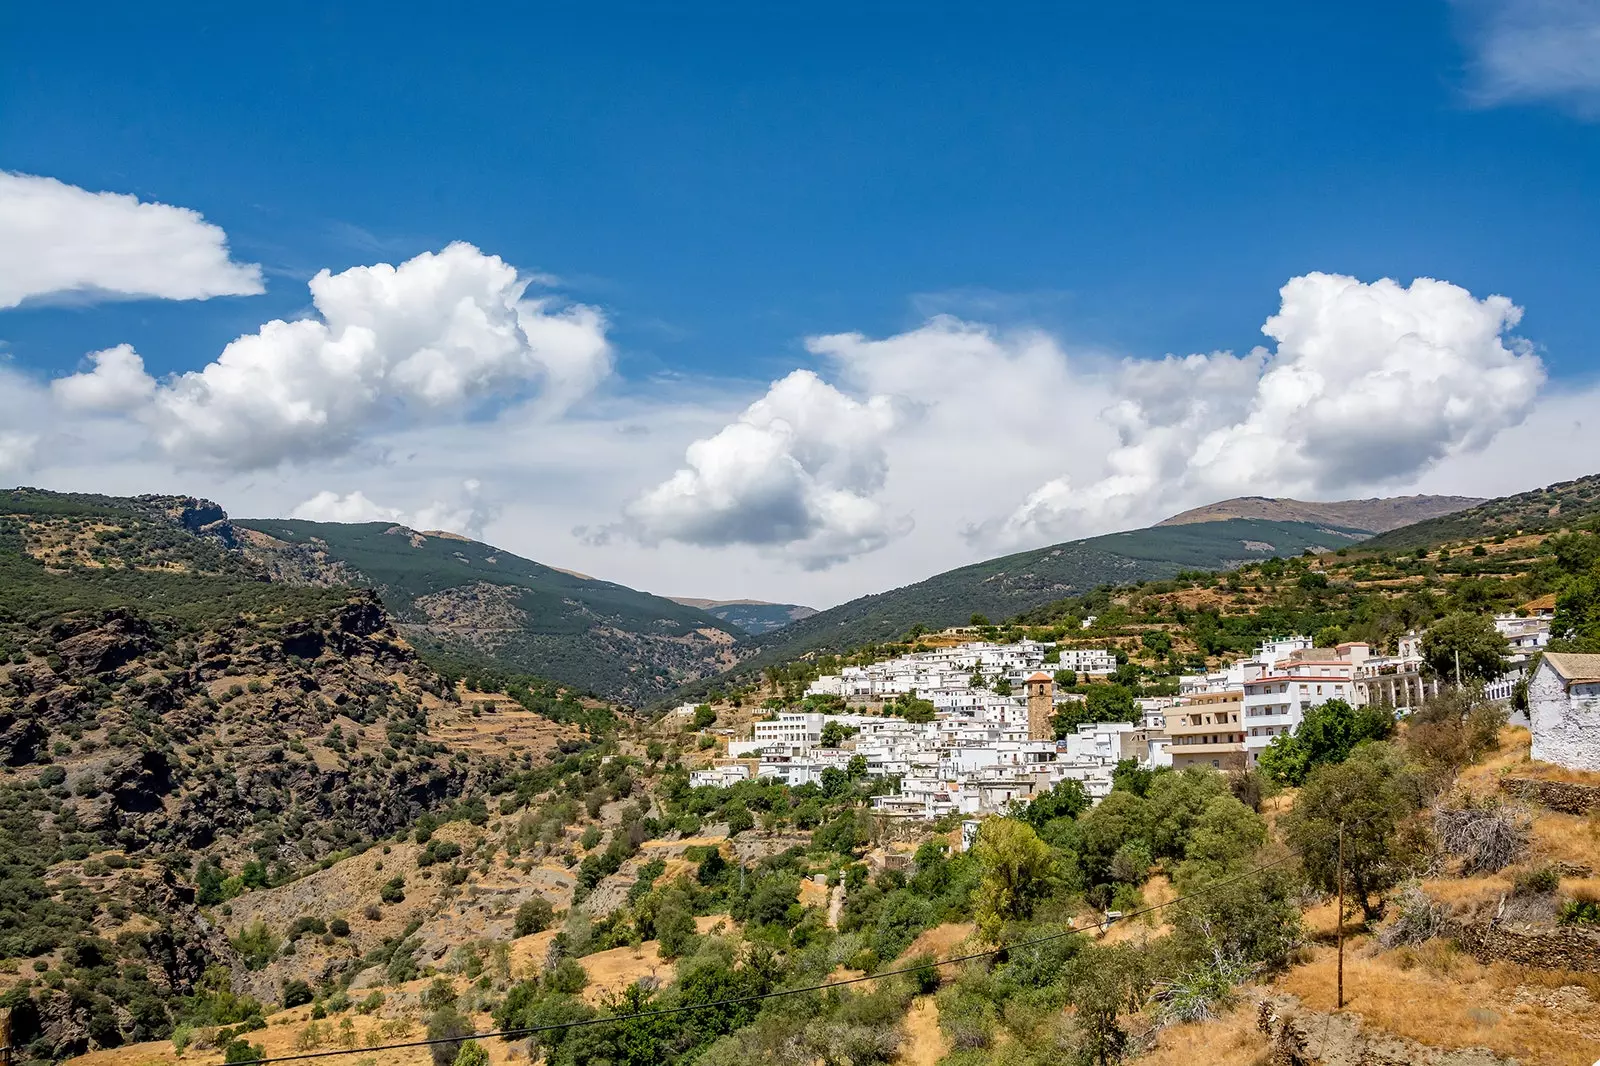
1041, 706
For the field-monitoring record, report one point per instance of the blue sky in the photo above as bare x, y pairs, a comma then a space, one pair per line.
728, 180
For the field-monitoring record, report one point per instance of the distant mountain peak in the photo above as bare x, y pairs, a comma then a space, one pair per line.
1375, 515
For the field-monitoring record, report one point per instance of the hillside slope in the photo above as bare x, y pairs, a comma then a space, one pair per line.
1552, 507
169, 720
477, 602
1004, 587
1375, 515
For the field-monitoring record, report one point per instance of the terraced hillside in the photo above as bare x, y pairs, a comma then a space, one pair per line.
1001, 588
483, 605
1552, 507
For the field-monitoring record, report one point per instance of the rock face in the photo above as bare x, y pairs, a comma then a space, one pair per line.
1378, 515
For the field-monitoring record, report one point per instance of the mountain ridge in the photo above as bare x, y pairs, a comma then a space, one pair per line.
1377, 514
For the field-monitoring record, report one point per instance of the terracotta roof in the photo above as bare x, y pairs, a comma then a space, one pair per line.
1543, 603
1040, 675
1571, 666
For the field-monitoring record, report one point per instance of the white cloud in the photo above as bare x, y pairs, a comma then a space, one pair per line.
1370, 385
467, 515
117, 383
17, 453
798, 470
436, 334
57, 238
1535, 50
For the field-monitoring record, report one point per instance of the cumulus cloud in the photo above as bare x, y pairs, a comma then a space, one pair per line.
57, 238
468, 514
17, 453
1369, 385
118, 382
1535, 50
438, 333
797, 470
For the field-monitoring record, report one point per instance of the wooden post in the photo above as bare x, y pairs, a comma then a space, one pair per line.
1339, 926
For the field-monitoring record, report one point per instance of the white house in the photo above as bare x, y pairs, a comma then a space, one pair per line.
1564, 707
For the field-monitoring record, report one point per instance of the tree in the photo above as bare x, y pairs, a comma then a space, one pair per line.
534, 916
1067, 800
856, 768
243, 1051
1468, 642
445, 1024
1018, 870
704, 716
978, 620
917, 711
1066, 678
296, 993
1369, 793
834, 782
1098, 983
1454, 729
471, 1054
836, 733
1327, 734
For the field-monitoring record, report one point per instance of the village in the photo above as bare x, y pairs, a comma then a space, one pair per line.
991, 740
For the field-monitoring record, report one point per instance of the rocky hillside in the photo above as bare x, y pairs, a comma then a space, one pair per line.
1565, 503
1375, 515
481, 605
173, 727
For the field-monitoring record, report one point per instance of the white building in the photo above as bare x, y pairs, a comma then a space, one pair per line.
1564, 707
720, 776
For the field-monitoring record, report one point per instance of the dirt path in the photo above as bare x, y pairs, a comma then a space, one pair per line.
835, 906
924, 1044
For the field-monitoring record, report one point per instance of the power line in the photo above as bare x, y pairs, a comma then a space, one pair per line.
514, 1034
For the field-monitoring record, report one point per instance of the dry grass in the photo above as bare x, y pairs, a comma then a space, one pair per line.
924, 1043
1231, 1040
1437, 996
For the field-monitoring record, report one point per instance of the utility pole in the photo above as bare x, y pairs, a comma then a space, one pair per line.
1339, 932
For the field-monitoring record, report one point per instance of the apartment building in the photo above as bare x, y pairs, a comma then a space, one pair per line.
1208, 730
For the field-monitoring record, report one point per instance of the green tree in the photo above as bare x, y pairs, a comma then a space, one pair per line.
446, 1024
1328, 733
472, 1053
704, 716
1002, 686
1368, 794
1465, 642
856, 768
1017, 871
1098, 984
836, 733
534, 916
918, 711
1067, 800
243, 1051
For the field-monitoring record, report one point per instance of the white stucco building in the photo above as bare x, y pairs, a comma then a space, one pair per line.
1564, 708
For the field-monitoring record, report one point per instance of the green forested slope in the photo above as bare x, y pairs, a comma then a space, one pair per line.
1004, 587
469, 598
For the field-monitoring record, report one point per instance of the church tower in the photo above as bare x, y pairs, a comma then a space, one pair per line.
1041, 706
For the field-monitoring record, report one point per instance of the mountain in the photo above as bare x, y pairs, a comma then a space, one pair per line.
1375, 515
1551, 507
482, 606
167, 712
753, 616
1002, 588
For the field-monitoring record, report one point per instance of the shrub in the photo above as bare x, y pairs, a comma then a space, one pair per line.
1488, 833
1416, 918
1539, 881
243, 1051
924, 974
567, 976
534, 916
1582, 909
296, 993
339, 927
393, 890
